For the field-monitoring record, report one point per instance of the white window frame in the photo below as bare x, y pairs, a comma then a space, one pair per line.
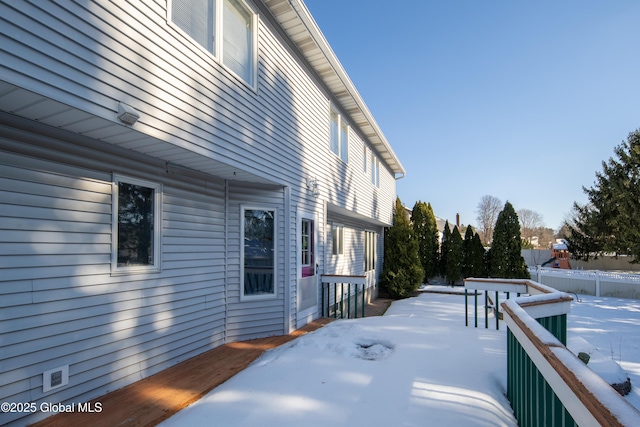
217, 49
157, 226
274, 295
337, 239
342, 134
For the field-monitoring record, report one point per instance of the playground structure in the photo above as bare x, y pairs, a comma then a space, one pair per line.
559, 257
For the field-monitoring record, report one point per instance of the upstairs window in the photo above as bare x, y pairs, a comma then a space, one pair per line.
197, 19
226, 26
237, 50
339, 136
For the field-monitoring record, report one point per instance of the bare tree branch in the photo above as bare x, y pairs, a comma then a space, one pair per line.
488, 210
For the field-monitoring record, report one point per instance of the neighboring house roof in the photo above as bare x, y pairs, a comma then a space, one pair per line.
296, 20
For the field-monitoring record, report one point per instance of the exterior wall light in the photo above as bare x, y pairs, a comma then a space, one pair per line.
126, 114
312, 186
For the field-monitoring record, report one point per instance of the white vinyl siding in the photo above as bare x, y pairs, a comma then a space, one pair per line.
62, 306
60, 302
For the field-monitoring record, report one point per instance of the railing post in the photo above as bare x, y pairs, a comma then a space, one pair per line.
497, 313
356, 302
466, 308
342, 300
486, 309
364, 291
475, 307
597, 283
322, 298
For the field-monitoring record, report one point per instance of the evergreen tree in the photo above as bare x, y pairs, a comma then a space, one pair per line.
477, 259
453, 271
444, 248
473, 254
506, 259
401, 270
610, 221
425, 231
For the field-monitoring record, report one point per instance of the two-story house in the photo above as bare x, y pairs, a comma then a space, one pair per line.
174, 175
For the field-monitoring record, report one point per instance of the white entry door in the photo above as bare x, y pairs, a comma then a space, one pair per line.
307, 269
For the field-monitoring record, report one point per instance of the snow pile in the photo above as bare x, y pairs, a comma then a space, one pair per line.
602, 365
416, 365
611, 325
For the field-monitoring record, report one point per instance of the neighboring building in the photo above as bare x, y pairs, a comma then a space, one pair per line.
174, 175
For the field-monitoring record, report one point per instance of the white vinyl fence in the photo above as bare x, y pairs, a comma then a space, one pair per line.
589, 282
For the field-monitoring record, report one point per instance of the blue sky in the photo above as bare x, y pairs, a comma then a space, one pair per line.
518, 100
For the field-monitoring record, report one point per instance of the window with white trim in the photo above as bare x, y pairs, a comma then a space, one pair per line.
339, 130
137, 206
337, 239
258, 263
237, 34
226, 26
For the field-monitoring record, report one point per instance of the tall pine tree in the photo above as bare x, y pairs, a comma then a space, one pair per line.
425, 231
453, 268
401, 270
444, 248
610, 221
505, 255
473, 254
477, 269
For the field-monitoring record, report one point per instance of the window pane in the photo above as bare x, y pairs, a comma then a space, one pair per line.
238, 40
259, 252
135, 225
334, 132
196, 18
337, 239
304, 244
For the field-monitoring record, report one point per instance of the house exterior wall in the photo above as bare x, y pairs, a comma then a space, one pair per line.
63, 69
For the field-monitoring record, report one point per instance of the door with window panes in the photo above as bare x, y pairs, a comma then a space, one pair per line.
308, 268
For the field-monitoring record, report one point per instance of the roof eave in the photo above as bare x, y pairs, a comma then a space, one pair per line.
296, 20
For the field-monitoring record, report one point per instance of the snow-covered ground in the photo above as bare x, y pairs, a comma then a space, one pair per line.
612, 326
417, 365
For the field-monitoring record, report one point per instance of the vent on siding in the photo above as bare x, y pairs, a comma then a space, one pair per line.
55, 378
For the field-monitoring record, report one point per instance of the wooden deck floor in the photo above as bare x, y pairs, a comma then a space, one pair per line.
156, 398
